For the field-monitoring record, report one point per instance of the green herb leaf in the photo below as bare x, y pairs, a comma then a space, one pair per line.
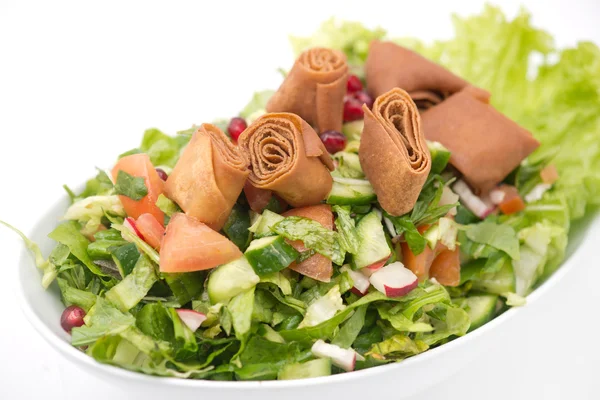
130, 186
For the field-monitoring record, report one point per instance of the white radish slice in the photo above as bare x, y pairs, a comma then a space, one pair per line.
361, 282
342, 358
497, 196
448, 197
472, 202
191, 318
394, 280
370, 269
537, 192
130, 224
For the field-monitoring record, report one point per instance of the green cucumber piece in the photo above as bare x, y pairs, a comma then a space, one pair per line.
481, 309
231, 279
500, 282
102, 249
309, 369
351, 195
236, 227
262, 227
373, 246
108, 234
185, 286
353, 130
270, 254
439, 157
131, 290
126, 257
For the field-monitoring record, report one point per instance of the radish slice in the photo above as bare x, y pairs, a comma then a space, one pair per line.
537, 192
361, 282
342, 358
191, 318
370, 269
448, 197
472, 202
497, 196
394, 280
130, 224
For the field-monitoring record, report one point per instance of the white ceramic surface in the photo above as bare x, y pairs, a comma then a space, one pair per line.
43, 309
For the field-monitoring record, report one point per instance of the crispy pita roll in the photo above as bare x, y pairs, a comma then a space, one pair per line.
314, 89
390, 65
209, 177
393, 152
485, 145
287, 157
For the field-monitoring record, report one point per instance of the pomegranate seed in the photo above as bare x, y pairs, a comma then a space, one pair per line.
162, 174
354, 84
364, 98
352, 109
334, 141
236, 127
72, 317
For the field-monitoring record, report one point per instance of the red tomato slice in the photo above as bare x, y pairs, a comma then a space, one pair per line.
189, 245
139, 165
446, 268
152, 231
257, 198
512, 201
318, 266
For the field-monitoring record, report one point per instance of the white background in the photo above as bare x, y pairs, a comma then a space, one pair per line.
80, 81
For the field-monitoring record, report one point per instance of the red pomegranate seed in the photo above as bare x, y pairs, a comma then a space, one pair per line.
162, 174
236, 127
364, 98
354, 84
352, 109
334, 141
72, 317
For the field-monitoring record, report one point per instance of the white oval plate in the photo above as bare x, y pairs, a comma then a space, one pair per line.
43, 309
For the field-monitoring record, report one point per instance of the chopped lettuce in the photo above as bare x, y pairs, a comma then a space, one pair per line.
162, 149
90, 210
346, 227
313, 235
323, 308
48, 268
257, 104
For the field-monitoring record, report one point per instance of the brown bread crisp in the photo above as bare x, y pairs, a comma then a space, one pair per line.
209, 177
287, 157
390, 65
393, 152
314, 89
485, 145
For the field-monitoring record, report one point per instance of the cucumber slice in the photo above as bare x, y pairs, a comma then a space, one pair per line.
236, 227
500, 282
270, 254
481, 308
439, 157
262, 227
353, 130
108, 234
351, 194
185, 286
231, 279
102, 249
372, 246
126, 257
309, 369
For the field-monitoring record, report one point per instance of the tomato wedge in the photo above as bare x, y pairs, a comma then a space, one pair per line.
512, 201
139, 165
446, 268
317, 266
257, 198
151, 230
189, 245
